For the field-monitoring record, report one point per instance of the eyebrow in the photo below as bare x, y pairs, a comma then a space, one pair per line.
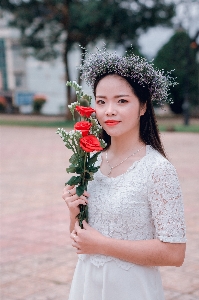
118, 96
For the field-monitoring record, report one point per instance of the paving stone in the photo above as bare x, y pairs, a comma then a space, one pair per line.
170, 294
186, 297
21, 289
196, 293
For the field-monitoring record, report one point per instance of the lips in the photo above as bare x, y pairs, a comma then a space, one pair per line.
112, 122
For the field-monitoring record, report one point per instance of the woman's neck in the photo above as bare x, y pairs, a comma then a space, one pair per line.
122, 145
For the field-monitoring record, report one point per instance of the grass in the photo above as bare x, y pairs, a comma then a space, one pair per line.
34, 123
180, 128
163, 126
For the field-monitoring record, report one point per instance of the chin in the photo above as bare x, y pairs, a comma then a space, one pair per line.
112, 134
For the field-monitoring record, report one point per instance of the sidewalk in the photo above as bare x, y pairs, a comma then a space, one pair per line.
37, 261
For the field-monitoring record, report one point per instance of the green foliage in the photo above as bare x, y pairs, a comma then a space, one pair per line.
82, 98
177, 54
74, 180
50, 28
83, 215
46, 24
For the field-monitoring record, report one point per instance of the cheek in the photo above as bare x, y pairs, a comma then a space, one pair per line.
133, 113
98, 112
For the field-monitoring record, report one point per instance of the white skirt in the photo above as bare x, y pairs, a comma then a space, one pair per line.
111, 282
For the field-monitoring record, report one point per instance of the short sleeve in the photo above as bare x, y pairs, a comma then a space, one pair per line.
166, 203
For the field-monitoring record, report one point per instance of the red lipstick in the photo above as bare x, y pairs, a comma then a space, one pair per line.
112, 122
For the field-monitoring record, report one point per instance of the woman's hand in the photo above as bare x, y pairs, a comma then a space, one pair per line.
73, 201
87, 240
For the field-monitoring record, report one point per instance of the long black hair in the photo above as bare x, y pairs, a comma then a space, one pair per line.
149, 132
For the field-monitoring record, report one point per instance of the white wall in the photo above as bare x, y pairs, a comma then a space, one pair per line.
48, 78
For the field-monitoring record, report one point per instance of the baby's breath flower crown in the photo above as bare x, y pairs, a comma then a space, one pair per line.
102, 62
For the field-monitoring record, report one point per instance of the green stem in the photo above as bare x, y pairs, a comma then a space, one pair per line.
69, 146
83, 208
84, 167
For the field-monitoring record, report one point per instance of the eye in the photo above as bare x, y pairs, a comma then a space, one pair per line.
100, 102
122, 101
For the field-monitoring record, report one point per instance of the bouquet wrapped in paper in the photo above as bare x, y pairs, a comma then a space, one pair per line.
85, 143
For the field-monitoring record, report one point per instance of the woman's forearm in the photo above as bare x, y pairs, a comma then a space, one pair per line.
142, 252
72, 223
145, 252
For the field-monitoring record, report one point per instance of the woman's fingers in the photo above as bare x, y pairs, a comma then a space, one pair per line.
74, 238
77, 227
73, 197
73, 235
70, 192
76, 197
73, 200
76, 203
86, 194
73, 206
75, 245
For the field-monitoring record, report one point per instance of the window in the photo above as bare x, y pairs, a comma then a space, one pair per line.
3, 69
19, 79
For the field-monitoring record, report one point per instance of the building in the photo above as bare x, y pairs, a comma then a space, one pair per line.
12, 64
22, 77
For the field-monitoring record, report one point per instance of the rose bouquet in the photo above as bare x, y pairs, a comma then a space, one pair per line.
86, 145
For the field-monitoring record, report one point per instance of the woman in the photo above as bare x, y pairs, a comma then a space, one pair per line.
136, 220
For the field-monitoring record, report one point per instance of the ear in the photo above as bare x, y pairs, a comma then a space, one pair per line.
143, 109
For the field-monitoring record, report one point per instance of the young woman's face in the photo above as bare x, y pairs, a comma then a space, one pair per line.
118, 109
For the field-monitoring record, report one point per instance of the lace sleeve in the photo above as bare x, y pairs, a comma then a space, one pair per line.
166, 204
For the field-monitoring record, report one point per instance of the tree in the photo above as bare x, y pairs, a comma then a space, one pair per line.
46, 25
180, 56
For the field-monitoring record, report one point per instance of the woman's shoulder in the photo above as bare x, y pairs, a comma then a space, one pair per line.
157, 160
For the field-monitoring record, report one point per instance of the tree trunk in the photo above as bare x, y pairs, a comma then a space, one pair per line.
68, 114
70, 97
83, 53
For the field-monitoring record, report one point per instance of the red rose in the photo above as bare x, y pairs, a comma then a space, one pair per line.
83, 126
90, 143
84, 111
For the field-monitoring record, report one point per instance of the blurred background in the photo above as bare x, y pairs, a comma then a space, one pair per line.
39, 48
39, 52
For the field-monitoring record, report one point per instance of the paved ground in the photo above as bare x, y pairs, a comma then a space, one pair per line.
37, 261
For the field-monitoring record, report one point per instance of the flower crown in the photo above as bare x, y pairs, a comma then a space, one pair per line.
102, 62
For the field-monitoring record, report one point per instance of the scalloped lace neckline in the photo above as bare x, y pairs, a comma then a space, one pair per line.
130, 168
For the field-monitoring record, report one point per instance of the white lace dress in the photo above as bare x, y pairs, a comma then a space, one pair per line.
142, 204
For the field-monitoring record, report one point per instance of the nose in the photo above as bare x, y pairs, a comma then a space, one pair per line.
110, 110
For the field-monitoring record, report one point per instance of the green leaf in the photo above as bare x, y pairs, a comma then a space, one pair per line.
73, 159
93, 159
79, 170
87, 176
74, 180
71, 169
80, 190
81, 153
93, 169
